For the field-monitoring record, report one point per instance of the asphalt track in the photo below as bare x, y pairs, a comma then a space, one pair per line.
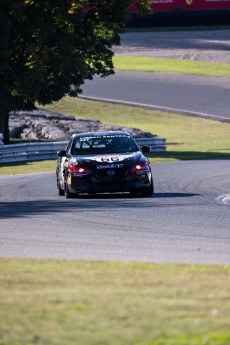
194, 95
185, 222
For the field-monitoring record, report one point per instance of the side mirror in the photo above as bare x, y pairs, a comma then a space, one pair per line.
61, 153
145, 149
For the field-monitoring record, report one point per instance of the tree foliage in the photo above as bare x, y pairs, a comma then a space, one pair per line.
144, 6
49, 47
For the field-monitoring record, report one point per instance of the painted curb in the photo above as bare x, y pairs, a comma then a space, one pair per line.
226, 199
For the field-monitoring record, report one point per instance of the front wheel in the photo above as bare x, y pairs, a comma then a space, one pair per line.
149, 190
67, 193
60, 191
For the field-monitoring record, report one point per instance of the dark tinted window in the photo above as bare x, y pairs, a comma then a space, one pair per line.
103, 144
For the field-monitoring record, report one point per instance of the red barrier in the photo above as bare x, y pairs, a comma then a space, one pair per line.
170, 5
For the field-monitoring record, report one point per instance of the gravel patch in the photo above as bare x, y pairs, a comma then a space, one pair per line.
203, 45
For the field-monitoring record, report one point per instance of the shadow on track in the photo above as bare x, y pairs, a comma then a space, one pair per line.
135, 196
98, 202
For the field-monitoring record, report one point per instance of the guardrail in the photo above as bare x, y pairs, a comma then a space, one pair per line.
157, 144
48, 150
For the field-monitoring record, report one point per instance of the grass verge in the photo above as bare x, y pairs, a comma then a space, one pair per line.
149, 64
80, 302
27, 167
187, 137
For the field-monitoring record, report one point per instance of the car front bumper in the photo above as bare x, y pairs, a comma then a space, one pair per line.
92, 183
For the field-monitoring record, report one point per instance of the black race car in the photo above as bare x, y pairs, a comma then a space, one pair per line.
101, 162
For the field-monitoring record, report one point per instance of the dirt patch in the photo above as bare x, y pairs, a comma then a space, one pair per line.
203, 45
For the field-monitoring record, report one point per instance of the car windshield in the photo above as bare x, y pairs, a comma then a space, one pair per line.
103, 144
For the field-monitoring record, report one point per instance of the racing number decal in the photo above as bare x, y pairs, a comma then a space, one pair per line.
109, 159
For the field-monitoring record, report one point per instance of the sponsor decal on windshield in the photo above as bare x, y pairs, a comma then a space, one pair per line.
108, 136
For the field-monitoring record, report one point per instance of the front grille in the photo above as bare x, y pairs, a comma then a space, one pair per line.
105, 178
111, 179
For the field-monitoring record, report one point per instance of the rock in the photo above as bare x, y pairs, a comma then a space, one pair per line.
42, 124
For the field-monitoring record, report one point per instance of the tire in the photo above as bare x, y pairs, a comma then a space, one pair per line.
134, 192
149, 190
60, 191
67, 193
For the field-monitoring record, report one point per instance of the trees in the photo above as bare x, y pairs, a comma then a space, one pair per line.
48, 48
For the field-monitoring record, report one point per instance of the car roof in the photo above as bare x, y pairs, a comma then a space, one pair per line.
96, 134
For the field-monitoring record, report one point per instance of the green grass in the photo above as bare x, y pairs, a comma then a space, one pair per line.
187, 137
149, 64
27, 167
79, 302
185, 134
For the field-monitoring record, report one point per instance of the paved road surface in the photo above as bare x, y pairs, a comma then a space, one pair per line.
183, 222
205, 95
